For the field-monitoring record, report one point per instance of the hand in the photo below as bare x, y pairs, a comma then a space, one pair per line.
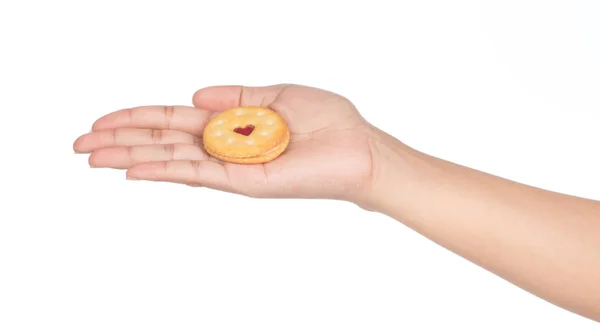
329, 154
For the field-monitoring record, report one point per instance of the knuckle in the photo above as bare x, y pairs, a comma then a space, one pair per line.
115, 136
196, 165
244, 93
168, 111
131, 114
166, 167
156, 135
129, 153
169, 150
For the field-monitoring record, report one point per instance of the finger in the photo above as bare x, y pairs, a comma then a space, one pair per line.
196, 173
126, 157
131, 137
182, 118
217, 98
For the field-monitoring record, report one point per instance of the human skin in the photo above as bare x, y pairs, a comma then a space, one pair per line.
544, 242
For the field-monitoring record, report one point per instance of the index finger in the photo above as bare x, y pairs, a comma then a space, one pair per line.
221, 97
182, 118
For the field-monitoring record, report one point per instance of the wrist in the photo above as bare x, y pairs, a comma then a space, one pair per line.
397, 173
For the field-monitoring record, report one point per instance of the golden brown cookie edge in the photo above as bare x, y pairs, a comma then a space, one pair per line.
260, 159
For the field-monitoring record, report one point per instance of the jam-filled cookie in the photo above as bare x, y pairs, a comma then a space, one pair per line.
246, 135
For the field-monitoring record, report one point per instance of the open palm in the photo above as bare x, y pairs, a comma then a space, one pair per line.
328, 156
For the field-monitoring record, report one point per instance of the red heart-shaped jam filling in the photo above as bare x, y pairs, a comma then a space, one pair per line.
245, 130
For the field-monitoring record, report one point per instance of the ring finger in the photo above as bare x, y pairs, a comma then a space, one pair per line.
126, 157
131, 137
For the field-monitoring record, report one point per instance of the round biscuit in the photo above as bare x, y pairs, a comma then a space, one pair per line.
269, 138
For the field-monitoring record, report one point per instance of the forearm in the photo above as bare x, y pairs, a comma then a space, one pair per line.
544, 242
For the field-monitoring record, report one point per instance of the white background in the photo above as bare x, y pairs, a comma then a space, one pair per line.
507, 87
